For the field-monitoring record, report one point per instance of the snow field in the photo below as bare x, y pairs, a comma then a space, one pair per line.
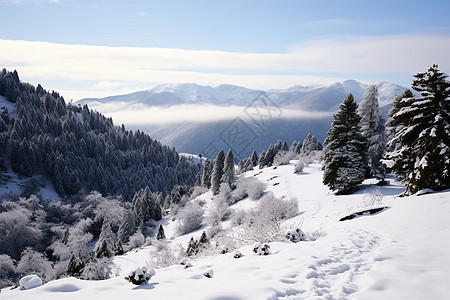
399, 253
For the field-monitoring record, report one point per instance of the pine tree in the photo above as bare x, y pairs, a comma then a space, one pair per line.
105, 246
229, 172
310, 144
217, 172
392, 127
254, 158
207, 170
373, 130
161, 235
344, 156
423, 159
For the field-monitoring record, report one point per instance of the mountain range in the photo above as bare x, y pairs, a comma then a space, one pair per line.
277, 113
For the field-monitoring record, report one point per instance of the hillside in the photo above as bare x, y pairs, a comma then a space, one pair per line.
190, 117
77, 149
398, 253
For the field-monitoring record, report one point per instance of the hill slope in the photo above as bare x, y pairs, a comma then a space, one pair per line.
78, 149
399, 253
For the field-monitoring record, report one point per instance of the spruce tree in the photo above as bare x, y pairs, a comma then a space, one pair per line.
392, 127
206, 177
373, 130
217, 172
423, 159
229, 173
254, 158
344, 156
161, 235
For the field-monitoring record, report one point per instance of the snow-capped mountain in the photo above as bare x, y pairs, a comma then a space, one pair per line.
317, 98
194, 136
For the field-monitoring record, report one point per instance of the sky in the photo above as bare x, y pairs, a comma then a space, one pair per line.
101, 48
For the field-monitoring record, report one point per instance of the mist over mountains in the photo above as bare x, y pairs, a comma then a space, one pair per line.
202, 119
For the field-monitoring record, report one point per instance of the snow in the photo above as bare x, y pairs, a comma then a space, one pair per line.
4, 103
399, 253
30, 282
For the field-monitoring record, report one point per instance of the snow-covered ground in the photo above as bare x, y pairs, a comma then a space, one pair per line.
399, 253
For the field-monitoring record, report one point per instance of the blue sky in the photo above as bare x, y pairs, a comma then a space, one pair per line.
259, 44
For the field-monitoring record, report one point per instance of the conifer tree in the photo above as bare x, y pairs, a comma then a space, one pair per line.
392, 127
207, 170
344, 156
106, 241
423, 159
254, 158
229, 172
161, 235
373, 130
217, 172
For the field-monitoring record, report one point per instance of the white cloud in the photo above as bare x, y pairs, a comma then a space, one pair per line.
140, 114
117, 68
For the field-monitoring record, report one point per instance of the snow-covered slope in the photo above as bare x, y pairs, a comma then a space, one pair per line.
399, 253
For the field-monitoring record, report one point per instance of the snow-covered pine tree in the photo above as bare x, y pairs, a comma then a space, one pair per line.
392, 127
344, 156
229, 172
310, 144
217, 172
254, 158
206, 177
161, 235
147, 205
424, 157
373, 129
105, 246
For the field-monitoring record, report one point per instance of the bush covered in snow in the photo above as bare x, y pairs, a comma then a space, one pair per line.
140, 275
136, 240
299, 166
295, 235
237, 254
190, 218
263, 224
224, 249
248, 187
283, 158
261, 249
98, 269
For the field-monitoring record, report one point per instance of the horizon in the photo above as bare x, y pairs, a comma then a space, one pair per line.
94, 50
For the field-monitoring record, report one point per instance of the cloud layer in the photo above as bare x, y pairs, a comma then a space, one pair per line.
95, 71
140, 114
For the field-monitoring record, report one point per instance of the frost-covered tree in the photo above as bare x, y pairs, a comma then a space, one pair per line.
206, 177
147, 205
33, 262
310, 144
373, 129
7, 270
105, 246
190, 218
344, 156
229, 172
392, 127
254, 158
98, 269
217, 172
127, 227
424, 156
